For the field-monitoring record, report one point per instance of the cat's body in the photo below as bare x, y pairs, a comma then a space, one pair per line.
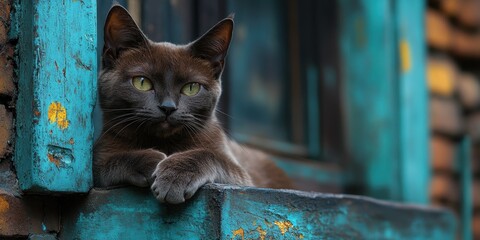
158, 101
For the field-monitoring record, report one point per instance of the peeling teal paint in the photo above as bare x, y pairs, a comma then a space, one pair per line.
56, 94
230, 212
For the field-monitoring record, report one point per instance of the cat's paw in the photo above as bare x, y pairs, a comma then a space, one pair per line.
141, 176
177, 180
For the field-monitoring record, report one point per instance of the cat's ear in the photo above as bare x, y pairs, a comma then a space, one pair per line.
120, 33
213, 45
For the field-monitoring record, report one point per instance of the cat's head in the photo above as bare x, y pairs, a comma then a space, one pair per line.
161, 87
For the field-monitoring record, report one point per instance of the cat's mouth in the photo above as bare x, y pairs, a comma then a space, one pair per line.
168, 123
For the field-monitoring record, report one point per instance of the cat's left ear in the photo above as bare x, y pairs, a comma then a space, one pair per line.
120, 33
213, 45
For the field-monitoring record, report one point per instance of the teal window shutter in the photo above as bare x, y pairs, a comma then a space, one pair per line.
57, 74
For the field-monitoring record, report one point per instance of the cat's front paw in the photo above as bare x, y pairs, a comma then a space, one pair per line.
141, 173
178, 179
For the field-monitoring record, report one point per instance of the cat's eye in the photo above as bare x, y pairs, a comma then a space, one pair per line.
191, 89
142, 83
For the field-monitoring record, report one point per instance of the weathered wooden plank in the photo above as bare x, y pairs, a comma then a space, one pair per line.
133, 213
57, 89
229, 212
368, 57
414, 162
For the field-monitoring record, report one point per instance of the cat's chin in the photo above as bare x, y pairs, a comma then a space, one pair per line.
166, 129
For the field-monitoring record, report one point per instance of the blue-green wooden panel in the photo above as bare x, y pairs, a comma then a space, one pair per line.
413, 101
229, 212
466, 178
57, 74
370, 95
259, 75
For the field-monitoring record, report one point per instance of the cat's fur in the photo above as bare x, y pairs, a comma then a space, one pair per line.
178, 153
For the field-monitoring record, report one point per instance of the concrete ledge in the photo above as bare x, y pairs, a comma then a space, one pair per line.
230, 212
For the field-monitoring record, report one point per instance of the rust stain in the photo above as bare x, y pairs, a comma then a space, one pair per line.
284, 226
71, 141
58, 114
262, 233
4, 206
36, 113
53, 159
239, 232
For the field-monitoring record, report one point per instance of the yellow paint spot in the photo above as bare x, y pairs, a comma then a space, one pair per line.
262, 233
4, 206
405, 56
301, 236
58, 114
239, 232
284, 226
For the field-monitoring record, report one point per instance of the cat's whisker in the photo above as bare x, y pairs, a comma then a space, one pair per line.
122, 121
133, 121
117, 117
225, 114
139, 125
191, 133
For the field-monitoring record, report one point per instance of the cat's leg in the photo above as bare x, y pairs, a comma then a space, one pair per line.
133, 167
179, 176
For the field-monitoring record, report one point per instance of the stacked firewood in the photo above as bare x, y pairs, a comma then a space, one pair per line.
453, 37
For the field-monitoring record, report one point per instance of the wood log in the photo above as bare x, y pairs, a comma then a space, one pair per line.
441, 75
438, 30
442, 152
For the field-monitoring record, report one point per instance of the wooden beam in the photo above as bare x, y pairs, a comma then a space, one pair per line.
57, 75
414, 164
230, 212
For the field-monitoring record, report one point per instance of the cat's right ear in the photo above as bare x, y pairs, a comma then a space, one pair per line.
120, 33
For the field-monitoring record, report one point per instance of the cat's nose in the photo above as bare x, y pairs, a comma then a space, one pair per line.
168, 107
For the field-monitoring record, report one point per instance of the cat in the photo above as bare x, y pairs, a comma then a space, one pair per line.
159, 123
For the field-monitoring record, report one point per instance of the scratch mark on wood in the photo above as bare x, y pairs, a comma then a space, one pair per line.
80, 63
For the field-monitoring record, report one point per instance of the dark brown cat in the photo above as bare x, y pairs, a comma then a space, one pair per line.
160, 128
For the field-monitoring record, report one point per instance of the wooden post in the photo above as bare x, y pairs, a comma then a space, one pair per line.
368, 53
414, 164
383, 55
57, 75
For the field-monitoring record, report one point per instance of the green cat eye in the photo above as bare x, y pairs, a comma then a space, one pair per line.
191, 89
142, 83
